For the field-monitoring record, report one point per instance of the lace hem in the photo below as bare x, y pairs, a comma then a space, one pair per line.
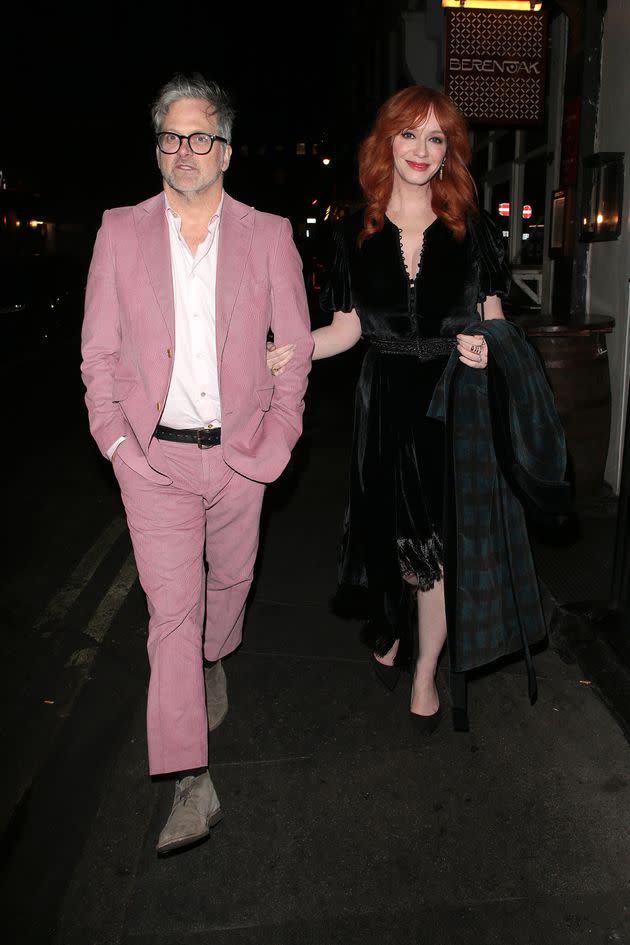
422, 559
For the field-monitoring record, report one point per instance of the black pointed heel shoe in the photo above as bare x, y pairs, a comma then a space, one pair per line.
426, 724
388, 675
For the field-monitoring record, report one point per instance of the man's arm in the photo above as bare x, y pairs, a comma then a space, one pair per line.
100, 345
290, 323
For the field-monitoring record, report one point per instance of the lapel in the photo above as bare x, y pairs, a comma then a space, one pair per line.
152, 229
235, 236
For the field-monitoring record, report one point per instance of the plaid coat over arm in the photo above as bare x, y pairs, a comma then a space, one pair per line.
505, 453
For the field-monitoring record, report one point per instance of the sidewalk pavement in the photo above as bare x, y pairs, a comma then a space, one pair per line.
340, 824
576, 574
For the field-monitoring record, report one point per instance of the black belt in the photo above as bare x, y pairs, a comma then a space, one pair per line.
425, 349
203, 437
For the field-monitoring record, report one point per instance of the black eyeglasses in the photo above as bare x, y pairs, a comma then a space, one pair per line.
169, 142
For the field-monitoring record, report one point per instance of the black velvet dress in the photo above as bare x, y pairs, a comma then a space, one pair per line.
393, 520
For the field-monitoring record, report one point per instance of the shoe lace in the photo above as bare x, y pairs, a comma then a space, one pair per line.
185, 793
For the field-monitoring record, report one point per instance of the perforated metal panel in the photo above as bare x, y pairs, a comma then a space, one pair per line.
496, 65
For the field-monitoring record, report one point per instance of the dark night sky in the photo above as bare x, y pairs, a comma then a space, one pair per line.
72, 76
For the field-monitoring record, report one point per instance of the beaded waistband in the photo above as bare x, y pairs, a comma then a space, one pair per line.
425, 349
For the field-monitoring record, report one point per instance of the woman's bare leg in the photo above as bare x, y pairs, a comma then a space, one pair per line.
432, 637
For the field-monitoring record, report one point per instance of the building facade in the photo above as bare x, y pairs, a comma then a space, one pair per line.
556, 186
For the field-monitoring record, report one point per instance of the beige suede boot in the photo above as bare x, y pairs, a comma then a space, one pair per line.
195, 810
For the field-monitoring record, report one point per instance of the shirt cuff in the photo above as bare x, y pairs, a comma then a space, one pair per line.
114, 446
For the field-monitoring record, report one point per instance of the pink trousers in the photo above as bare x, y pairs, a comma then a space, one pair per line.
210, 515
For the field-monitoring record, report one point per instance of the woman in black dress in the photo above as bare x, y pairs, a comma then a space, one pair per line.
410, 272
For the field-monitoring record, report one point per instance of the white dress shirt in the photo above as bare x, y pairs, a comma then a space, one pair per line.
193, 396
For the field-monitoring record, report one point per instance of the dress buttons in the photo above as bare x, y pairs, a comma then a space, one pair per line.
203, 393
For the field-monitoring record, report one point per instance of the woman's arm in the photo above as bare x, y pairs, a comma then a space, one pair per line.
343, 332
472, 349
492, 308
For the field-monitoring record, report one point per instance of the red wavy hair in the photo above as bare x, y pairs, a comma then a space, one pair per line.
454, 195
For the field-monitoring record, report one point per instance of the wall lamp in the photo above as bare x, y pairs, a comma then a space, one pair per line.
602, 200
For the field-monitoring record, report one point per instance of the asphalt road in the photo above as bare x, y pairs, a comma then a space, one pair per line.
340, 826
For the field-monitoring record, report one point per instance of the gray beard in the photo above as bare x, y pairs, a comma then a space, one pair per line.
170, 180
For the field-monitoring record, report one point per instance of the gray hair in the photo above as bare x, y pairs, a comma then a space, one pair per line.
194, 86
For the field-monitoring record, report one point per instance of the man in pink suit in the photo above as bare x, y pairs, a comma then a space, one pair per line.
182, 292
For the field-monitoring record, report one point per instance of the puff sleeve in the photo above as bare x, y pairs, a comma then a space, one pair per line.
494, 273
336, 292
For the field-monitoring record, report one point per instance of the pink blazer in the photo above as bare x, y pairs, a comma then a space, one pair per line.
128, 336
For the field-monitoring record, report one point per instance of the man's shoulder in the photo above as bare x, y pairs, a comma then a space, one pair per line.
261, 217
115, 215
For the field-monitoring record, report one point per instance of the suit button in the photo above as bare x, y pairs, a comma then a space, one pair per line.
169, 352
157, 406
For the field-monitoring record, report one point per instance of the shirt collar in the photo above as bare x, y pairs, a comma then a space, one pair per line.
177, 220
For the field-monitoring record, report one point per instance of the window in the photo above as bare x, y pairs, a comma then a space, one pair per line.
504, 148
533, 236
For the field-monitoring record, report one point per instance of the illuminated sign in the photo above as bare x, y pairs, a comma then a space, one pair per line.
494, 4
504, 210
496, 65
